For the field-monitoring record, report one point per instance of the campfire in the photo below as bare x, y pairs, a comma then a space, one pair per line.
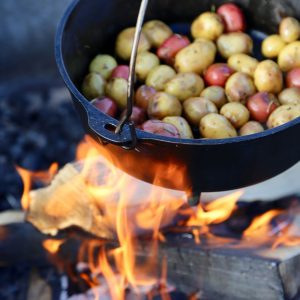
115, 237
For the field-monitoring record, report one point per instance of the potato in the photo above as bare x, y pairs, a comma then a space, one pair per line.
289, 57
124, 43
215, 94
261, 105
272, 46
106, 105
293, 78
208, 25
243, 63
182, 126
160, 128
234, 43
196, 57
159, 76
233, 17
121, 71
157, 32
236, 113
117, 90
162, 105
215, 126
103, 64
290, 96
145, 62
196, 108
239, 87
268, 77
218, 74
93, 86
138, 115
143, 95
171, 46
185, 85
289, 29
283, 114
251, 127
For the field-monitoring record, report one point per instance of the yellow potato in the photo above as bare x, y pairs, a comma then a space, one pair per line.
93, 86
289, 29
157, 32
251, 127
103, 64
290, 96
196, 108
145, 62
283, 114
268, 77
239, 87
159, 76
215, 126
289, 57
234, 43
243, 63
196, 57
215, 94
236, 113
182, 126
272, 46
185, 85
208, 25
124, 43
162, 105
117, 90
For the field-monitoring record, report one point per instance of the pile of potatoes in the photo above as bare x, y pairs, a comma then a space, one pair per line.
204, 86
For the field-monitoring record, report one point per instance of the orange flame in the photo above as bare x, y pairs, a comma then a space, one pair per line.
28, 177
260, 226
128, 208
52, 245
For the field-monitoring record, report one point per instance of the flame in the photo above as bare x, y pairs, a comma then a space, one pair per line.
29, 176
260, 226
125, 209
131, 208
52, 245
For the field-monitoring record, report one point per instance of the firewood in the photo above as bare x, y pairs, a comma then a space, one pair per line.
219, 269
67, 201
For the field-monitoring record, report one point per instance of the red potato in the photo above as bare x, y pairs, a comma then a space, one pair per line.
106, 105
160, 128
233, 17
261, 105
138, 115
143, 95
217, 74
171, 46
293, 78
121, 71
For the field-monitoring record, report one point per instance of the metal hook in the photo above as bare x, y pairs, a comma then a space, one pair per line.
131, 79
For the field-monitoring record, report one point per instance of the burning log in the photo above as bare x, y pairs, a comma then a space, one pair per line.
82, 195
218, 268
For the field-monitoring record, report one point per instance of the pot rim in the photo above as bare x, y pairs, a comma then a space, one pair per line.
143, 135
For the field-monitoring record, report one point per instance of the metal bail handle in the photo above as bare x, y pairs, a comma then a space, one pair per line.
131, 79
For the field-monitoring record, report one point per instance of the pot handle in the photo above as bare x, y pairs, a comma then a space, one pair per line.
131, 79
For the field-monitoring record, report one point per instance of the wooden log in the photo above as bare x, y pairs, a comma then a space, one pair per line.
218, 270
232, 273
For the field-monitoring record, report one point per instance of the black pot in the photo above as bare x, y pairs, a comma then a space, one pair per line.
90, 26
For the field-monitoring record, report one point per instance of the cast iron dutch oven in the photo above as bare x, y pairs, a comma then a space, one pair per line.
90, 27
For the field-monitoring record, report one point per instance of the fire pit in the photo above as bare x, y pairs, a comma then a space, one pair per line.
87, 230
